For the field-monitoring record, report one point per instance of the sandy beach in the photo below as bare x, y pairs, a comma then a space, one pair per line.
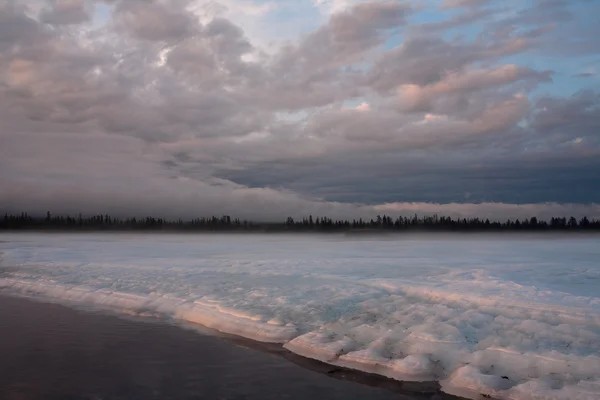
48, 351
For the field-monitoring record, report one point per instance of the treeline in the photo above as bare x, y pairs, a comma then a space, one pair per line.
227, 223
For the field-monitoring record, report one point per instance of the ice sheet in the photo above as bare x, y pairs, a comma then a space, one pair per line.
512, 317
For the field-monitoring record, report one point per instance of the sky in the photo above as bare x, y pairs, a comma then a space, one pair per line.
264, 109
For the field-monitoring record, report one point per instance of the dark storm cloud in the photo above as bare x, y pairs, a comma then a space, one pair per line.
577, 115
554, 158
146, 106
16, 28
411, 180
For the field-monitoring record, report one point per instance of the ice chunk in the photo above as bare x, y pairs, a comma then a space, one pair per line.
235, 324
470, 381
321, 346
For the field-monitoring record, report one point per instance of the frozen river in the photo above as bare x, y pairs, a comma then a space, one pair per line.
511, 317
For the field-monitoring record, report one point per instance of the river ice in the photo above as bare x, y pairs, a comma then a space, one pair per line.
506, 316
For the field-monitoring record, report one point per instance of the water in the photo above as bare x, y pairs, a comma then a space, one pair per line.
51, 352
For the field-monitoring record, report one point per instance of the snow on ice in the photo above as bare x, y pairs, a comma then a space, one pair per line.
510, 317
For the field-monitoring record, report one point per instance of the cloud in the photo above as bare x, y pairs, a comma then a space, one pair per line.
66, 12
198, 107
329, 7
154, 20
420, 98
425, 60
311, 73
122, 177
363, 107
579, 113
585, 75
463, 3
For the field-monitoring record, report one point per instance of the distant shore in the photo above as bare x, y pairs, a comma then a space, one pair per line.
380, 224
286, 232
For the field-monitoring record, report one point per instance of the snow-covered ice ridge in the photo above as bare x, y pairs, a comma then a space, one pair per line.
511, 317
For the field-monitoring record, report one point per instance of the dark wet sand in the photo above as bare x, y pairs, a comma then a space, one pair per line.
48, 351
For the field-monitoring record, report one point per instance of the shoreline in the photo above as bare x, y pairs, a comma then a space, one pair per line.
407, 390
334, 371
487, 317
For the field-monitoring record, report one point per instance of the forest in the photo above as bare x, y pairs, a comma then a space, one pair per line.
227, 223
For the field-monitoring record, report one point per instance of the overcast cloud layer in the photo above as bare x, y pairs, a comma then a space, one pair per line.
266, 109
